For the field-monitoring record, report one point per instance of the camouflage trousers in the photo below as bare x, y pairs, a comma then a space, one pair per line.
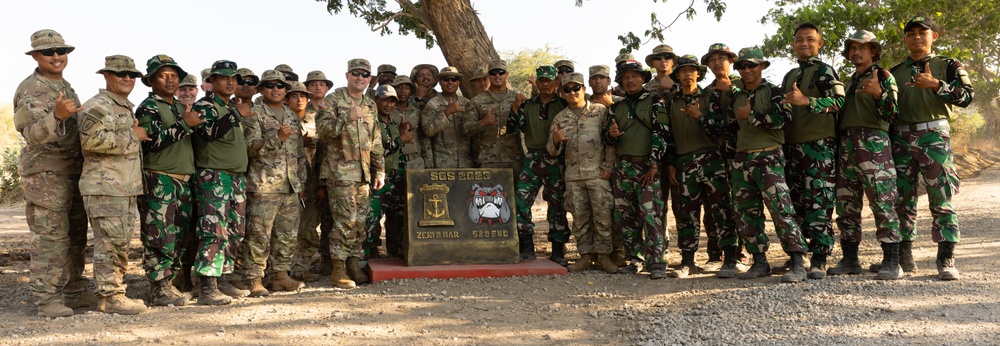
308, 242
272, 224
391, 202
927, 153
811, 175
165, 216
539, 169
112, 219
637, 215
590, 202
58, 222
864, 166
704, 183
349, 203
221, 206
758, 179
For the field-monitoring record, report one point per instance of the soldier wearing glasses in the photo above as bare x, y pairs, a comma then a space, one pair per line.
247, 85
443, 119
497, 147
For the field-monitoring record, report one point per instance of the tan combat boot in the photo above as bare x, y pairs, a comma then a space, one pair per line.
257, 288
585, 262
235, 281
607, 264
226, 287
355, 272
80, 300
165, 294
282, 282
119, 304
209, 292
305, 276
54, 308
339, 277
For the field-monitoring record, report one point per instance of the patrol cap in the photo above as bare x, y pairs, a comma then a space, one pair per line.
318, 76
924, 22
158, 61
298, 87
752, 54
564, 63
119, 63
623, 57
190, 80
287, 71
432, 68
497, 65
450, 71
244, 72
480, 74
223, 68
272, 75
359, 64
206, 73
631, 65
689, 60
48, 39
572, 77
386, 68
546, 71
718, 48
600, 70
386, 91
403, 79
863, 37
663, 50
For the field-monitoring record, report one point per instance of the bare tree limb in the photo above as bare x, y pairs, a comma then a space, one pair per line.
416, 12
394, 16
665, 27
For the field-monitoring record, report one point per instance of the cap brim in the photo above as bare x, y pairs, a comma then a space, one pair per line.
704, 58
447, 74
920, 24
52, 46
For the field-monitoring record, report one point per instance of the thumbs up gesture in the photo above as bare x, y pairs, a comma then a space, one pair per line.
613, 130
243, 108
871, 87
406, 133
192, 118
559, 134
65, 107
488, 119
924, 79
795, 97
453, 108
140, 132
743, 113
723, 83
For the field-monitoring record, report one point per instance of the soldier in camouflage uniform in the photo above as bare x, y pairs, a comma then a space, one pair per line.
391, 199
45, 114
352, 165
187, 91
247, 85
921, 142
219, 186
111, 180
816, 94
533, 118
297, 98
187, 95
167, 163
425, 78
275, 187
635, 180
663, 60
384, 76
697, 165
443, 119
864, 163
317, 210
480, 80
576, 135
416, 154
496, 147
600, 82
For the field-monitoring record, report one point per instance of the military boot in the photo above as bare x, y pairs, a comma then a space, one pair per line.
607, 264
209, 292
282, 282
54, 308
226, 287
80, 300
906, 257
526, 247
849, 264
559, 253
355, 272
585, 262
325, 265
183, 279
235, 281
119, 304
338, 278
687, 266
946, 262
713, 264
305, 276
657, 272
817, 266
891, 269
196, 282
876, 267
783, 268
618, 258
165, 294
759, 269
256, 287
729, 260
797, 272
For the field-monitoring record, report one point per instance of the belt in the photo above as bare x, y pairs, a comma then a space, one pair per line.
181, 177
930, 125
700, 151
633, 159
776, 146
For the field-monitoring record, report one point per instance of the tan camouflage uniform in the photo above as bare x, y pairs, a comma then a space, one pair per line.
497, 148
450, 147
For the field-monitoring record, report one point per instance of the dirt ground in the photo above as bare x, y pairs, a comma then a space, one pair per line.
575, 309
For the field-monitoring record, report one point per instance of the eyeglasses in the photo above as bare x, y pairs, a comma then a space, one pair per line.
449, 79
498, 72
565, 69
291, 77
54, 51
272, 85
123, 74
745, 65
629, 65
363, 74
251, 81
661, 57
223, 64
572, 89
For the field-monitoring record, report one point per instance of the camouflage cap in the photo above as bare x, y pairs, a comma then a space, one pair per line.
386, 68
47, 39
480, 74
318, 76
752, 54
158, 61
661, 50
718, 48
403, 79
298, 87
924, 22
432, 68
564, 63
359, 64
689, 60
450, 71
190, 80
244, 73
600, 70
286, 70
272, 75
573, 77
206, 73
631, 65
623, 57
224, 68
863, 37
385, 91
546, 71
119, 63
497, 65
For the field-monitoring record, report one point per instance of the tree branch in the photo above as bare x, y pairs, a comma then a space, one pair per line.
665, 27
415, 12
394, 16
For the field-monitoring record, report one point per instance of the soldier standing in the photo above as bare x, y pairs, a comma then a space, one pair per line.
663, 60
480, 80
600, 86
287, 72
317, 210
533, 118
353, 164
413, 153
297, 98
247, 85
111, 180
442, 120
384, 76
391, 199
425, 76
45, 114
187, 90
496, 147
921, 142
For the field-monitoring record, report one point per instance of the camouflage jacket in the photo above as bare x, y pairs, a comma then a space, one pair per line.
863, 110
653, 87
417, 153
495, 145
391, 144
275, 166
220, 143
640, 119
917, 105
353, 148
763, 128
308, 125
450, 147
112, 154
586, 153
51, 145
820, 83
687, 134
169, 149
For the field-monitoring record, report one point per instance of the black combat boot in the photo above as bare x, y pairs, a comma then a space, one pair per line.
946, 262
687, 266
526, 247
890, 269
797, 271
210, 294
849, 264
817, 266
559, 253
759, 269
729, 260
906, 257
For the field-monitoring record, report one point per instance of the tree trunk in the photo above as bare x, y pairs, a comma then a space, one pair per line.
462, 38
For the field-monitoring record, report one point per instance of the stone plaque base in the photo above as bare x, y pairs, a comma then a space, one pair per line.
382, 269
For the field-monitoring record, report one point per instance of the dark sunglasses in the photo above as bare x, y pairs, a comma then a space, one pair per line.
363, 74
291, 77
224, 64
449, 79
247, 81
746, 65
565, 69
661, 57
572, 89
54, 51
123, 74
498, 72
629, 65
272, 85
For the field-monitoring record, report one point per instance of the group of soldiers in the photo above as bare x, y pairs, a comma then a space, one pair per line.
230, 189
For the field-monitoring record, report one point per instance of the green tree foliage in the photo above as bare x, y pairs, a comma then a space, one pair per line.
409, 19
521, 64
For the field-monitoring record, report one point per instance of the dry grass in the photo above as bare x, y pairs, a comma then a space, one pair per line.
8, 134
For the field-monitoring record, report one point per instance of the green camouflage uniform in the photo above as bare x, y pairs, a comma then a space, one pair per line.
496, 147
810, 149
390, 199
110, 182
317, 212
727, 145
450, 147
920, 148
353, 161
50, 172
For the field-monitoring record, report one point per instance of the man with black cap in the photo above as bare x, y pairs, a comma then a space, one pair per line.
637, 135
921, 143
663, 60
815, 94
165, 210
496, 147
442, 120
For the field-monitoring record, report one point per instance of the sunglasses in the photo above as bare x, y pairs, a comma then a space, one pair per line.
291, 77
565, 69
224, 64
123, 74
572, 89
746, 65
54, 51
661, 57
363, 74
449, 79
629, 65
498, 72
272, 85
247, 81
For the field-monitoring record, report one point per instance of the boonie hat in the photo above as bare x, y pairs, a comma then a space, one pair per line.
689, 60
48, 39
298, 87
119, 63
450, 71
223, 68
863, 37
718, 48
631, 65
158, 61
318, 75
287, 71
386, 68
244, 72
403, 79
661, 50
754, 55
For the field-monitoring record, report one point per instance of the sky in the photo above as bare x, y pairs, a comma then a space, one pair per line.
260, 34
